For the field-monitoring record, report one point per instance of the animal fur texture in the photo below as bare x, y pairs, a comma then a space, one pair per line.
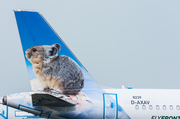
60, 73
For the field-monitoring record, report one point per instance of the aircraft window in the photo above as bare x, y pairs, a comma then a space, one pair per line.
157, 107
171, 107
143, 107
137, 107
150, 107
164, 107
178, 107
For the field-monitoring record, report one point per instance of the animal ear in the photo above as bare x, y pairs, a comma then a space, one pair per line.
52, 51
58, 46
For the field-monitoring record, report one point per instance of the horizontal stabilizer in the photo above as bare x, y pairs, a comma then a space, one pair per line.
41, 99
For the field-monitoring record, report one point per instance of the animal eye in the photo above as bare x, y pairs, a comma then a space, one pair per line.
34, 49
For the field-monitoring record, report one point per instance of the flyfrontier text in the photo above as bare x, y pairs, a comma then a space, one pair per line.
165, 117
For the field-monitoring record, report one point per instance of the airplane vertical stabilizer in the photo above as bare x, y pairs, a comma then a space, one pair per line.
55, 70
34, 30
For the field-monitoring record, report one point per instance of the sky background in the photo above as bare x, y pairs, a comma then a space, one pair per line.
120, 42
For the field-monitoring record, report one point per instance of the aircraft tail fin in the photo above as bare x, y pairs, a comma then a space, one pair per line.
34, 32
51, 65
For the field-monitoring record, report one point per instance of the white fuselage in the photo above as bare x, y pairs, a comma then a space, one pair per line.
136, 103
149, 103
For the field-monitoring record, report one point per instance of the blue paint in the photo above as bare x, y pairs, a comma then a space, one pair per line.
25, 116
34, 30
104, 106
112, 105
5, 117
41, 111
129, 87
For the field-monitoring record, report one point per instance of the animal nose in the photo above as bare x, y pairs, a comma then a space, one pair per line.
27, 51
28, 54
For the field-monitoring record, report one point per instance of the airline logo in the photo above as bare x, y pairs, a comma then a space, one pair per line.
165, 117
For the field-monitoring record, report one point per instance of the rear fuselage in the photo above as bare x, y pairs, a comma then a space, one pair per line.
114, 103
